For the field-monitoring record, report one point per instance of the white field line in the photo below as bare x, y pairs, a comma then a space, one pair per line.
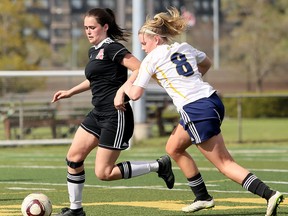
144, 187
155, 187
32, 167
259, 151
175, 168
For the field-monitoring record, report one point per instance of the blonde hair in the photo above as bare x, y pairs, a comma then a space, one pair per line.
165, 24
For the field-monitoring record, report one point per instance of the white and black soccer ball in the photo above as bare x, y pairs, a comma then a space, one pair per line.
36, 204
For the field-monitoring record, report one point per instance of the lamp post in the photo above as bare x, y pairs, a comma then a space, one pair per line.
216, 33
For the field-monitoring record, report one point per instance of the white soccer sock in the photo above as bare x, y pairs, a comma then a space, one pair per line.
75, 185
142, 167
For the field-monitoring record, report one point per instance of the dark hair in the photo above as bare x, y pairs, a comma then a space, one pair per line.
106, 16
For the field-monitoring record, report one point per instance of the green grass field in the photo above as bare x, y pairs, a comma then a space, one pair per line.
42, 169
252, 130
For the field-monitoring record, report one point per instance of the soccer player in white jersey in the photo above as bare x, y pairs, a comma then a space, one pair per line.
178, 68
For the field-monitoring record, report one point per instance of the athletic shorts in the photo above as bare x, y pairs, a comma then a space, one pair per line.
202, 118
113, 129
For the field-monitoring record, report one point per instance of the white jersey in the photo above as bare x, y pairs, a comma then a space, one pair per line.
174, 67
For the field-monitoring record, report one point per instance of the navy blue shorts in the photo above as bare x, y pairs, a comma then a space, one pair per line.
202, 118
113, 129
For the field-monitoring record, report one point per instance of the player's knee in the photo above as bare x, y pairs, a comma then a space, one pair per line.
169, 150
74, 164
174, 151
102, 175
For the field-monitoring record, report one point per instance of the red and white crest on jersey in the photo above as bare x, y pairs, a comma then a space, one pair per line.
100, 55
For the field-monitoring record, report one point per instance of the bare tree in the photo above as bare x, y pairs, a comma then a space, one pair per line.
257, 43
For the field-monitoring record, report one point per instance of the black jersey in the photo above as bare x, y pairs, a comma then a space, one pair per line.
105, 73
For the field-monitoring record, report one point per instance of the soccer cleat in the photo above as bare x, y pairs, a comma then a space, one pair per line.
198, 205
70, 212
273, 203
165, 171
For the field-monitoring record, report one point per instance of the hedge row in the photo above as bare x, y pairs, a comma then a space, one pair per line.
257, 107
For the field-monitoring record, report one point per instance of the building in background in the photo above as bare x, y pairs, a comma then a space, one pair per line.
63, 19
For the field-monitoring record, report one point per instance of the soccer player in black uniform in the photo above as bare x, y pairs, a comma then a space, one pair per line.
105, 127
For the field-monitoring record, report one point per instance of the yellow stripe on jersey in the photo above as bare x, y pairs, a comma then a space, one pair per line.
170, 84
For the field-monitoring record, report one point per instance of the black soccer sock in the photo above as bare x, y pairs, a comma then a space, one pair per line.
256, 186
198, 187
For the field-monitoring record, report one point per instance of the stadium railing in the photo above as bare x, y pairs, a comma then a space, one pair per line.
68, 113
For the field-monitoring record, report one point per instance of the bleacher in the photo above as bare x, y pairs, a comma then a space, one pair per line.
21, 114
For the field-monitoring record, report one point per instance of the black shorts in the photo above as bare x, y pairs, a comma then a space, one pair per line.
113, 129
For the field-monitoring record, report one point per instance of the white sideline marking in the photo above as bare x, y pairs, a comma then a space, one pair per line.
251, 169
33, 167
275, 182
35, 189
155, 187
175, 168
259, 151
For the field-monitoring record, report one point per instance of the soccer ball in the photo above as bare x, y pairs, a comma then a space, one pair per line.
36, 204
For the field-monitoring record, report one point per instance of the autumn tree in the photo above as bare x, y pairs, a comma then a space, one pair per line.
257, 43
20, 48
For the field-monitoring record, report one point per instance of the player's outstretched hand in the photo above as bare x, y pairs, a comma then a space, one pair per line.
60, 95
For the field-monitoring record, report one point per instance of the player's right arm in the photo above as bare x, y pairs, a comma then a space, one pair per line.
61, 94
204, 65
